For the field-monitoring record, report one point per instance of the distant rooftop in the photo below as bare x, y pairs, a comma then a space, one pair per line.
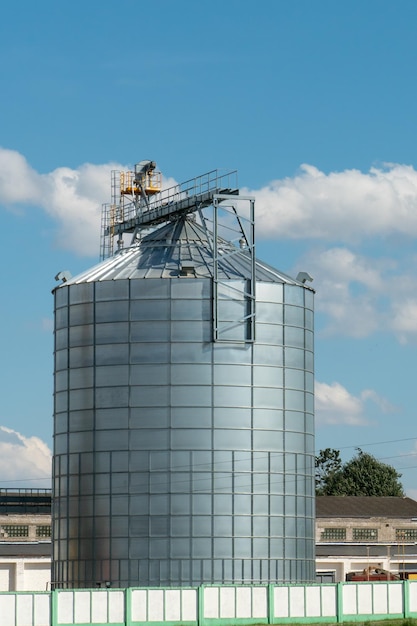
32, 501
365, 506
26, 549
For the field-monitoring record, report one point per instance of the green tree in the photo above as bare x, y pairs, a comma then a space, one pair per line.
363, 475
328, 463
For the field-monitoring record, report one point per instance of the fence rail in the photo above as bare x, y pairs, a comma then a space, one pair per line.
212, 605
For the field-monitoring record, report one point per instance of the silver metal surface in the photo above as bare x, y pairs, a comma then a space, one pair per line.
179, 460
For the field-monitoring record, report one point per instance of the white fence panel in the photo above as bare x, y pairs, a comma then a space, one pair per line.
329, 601
248, 603
297, 604
373, 598
65, 607
313, 601
259, 602
116, 606
211, 602
172, 604
24, 610
281, 602
139, 607
82, 607
243, 602
189, 605
396, 598
305, 601
227, 602
42, 609
413, 596
8, 609
380, 599
350, 605
364, 598
99, 608
155, 605
159, 605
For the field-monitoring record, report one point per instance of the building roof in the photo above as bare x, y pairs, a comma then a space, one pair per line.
365, 506
348, 549
25, 549
164, 251
25, 501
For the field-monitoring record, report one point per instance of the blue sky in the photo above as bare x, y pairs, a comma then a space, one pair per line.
312, 102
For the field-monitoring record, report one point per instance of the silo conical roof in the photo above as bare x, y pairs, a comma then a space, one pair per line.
163, 252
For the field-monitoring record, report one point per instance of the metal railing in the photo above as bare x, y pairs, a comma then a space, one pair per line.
123, 215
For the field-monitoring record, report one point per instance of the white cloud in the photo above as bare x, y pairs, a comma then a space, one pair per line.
404, 318
384, 405
24, 461
73, 198
359, 295
349, 289
340, 206
335, 405
18, 181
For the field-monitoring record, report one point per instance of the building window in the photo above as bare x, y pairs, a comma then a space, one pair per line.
43, 531
406, 534
365, 534
14, 530
333, 534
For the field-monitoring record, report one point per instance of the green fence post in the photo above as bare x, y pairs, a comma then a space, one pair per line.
406, 598
54, 607
339, 602
128, 606
200, 605
271, 606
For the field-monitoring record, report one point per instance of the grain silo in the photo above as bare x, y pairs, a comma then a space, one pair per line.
183, 421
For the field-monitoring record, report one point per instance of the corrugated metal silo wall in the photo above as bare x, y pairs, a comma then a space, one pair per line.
179, 461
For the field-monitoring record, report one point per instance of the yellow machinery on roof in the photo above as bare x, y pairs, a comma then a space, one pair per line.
131, 192
139, 203
145, 180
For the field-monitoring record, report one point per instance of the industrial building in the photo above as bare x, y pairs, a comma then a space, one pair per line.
353, 534
365, 534
25, 539
183, 418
